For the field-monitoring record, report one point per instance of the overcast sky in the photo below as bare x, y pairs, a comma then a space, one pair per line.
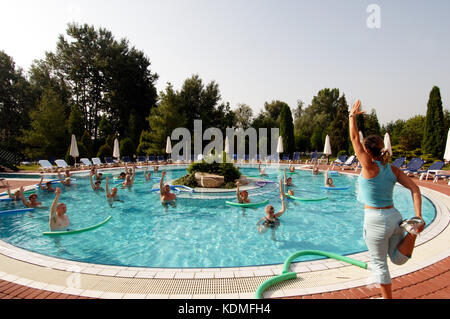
264, 50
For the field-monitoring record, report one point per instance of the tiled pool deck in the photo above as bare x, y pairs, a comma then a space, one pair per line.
25, 274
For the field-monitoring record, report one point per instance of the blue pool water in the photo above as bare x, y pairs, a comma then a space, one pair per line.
201, 231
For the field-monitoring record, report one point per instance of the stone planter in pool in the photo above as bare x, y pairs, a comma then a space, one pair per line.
209, 180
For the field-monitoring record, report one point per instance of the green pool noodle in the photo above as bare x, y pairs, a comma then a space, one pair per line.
76, 231
286, 275
248, 204
273, 281
349, 260
306, 199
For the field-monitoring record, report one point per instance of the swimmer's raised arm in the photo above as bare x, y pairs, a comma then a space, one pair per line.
8, 189
238, 195
54, 204
60, 177
40, 183
92, 183
134, 173
281, 186
161, 183
108, 194
22, 197
283, 207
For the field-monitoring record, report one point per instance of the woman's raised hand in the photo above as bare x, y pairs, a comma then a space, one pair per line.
356, 108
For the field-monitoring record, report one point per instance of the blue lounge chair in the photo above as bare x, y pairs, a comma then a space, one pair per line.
126, 159
46, 165
444, 176
314, 157
141, 159
62, 164
109, 161
341, 159
285, 158
85, 163
97, 161
296, 157
433, 169
151, 159
348, 163
357, 165
413, 166
160, 158
399, 162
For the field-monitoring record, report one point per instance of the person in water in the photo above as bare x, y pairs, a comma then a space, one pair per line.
16, 196
328, 180
166, 196
129, 179
272, 219
98, 176
122, 176
58, 219
32, 199
287, 181
147, 175
315, 170
66, 181
242, 197
97, 185
291, 168
48, 185
113, 195
384, 227
262, 172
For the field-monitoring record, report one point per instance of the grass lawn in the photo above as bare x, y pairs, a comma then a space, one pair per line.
33, 167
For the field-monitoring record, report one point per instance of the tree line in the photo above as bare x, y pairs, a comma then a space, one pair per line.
100, 88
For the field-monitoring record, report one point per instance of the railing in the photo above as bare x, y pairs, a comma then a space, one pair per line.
10, 160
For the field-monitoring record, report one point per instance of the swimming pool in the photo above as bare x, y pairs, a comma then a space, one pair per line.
201, 231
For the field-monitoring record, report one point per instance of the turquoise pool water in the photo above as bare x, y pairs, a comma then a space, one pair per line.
201, 231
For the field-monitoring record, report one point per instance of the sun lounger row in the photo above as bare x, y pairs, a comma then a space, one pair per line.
109, 162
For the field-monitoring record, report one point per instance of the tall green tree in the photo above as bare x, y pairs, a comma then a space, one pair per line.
395, 130
47, 136
371, 124
103, 76
16, 100
163, 119
339, 134
75, 123
312, 126
287, 130
244, 116
273, 109
434, 134
412, 133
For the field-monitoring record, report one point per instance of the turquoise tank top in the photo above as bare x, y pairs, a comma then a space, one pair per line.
377, 191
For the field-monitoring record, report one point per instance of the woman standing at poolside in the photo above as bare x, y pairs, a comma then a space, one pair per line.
383, 226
